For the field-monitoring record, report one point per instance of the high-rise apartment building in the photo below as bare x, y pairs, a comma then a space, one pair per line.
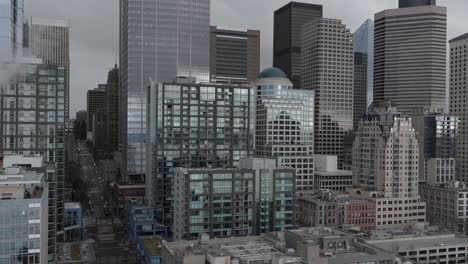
287, 45
95, 102
284, 127
414, 3
234, 55
112, 110
274, 194
360, 87
327, 68
11, 28
411, 73
194, 126
23, 214
159, 40
458, 105
363, 42
49, 40
437, 137
385, 163
32, 116
216, 202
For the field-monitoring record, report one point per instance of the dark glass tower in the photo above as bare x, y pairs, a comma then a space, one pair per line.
288, 24
413, 3
360, 87
159, 40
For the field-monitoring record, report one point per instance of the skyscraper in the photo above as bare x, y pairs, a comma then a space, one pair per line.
50, 41
159, 40
458, 105
234, 55
413, 3
411, 73
360, 87
32, 122
284, 126
112, 109
327, 68
385, 161
287, 46
437, 137
363, 41
194, 126
95, 102
11, 28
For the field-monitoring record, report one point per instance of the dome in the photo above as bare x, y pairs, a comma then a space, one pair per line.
272, 73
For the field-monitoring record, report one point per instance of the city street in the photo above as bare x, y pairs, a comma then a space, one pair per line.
101, 223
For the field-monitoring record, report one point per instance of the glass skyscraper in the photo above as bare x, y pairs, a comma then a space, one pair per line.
11, 28
159, 40
363, 41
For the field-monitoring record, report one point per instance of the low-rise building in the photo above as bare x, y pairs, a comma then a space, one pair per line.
142, 222
23, 215
327, 176
423, 247
334, 209
300, 246
149, 249
73, 221
446, 205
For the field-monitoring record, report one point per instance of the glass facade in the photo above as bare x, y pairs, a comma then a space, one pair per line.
194, 126
285, 127
11, 28
159, 40
220, 203
32, 122
363, 41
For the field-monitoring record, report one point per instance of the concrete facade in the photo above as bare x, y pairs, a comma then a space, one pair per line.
234, 55
411, 73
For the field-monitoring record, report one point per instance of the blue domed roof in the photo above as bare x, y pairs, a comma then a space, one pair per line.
272, 73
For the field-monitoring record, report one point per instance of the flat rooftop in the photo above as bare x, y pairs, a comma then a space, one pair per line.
152, 245
335, 173
19, 176
418, 243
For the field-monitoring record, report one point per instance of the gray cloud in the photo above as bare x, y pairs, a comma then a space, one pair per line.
95, 25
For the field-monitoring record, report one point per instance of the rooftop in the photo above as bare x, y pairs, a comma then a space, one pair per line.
72, 206
152, 245
335, 173
420, 242
461, 37
19, 176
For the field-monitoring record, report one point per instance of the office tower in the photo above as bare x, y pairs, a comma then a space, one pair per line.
112, 110
169, 39
234, 55
411, 73
287, 45
360, 87
284, 127
274, 194
363, 42
50, 41
414, 3
458, 106
216, 202
327, 68
385, 163
194, 126
32, 122
95, 103
23, 214
11, 28
437, 136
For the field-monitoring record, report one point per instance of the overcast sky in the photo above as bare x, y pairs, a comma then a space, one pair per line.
95, 25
